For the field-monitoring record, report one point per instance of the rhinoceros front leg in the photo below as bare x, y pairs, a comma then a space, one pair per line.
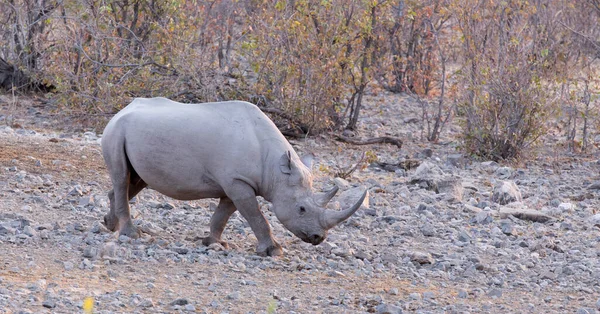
218, 221
244, 199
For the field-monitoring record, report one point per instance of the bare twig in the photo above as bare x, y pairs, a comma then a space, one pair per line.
347, 171
376, 140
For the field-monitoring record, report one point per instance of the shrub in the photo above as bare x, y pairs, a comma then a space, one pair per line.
507, 94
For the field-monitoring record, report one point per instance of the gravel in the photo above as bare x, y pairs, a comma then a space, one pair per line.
454, 235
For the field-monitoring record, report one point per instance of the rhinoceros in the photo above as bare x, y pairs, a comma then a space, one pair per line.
228, 150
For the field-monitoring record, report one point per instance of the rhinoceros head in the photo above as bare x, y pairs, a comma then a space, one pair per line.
299, 209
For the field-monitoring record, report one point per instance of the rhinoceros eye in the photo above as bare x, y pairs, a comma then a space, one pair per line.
302, 210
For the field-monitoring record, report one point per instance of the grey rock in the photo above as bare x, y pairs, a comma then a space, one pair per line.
425, 153
421, 258
462, 294
234, 295
506, 192
49, 303
362, 255
146, 303
428, 230
566, 207
99, 228
28, 230
190, 308
341, 183
594, 186
507, 227
76, 191
349, 197
428, 295
180, 302
109, 250
180, 250
495, 292
68, 265
483, 218
503, 172
463, 236
456, 160
593, 220
427, 175
90, 252
489, 165
87, 200
385, 308
452, 187
524, 214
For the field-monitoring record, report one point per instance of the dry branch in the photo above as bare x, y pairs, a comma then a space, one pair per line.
375, 140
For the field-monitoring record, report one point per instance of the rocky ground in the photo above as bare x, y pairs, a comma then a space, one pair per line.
441, 232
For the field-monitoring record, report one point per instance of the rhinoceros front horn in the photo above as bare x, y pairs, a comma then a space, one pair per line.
331, 217
323, 198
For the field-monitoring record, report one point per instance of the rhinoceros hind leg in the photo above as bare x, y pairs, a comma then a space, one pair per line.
218, 221
244, 198
126, 184
111, 220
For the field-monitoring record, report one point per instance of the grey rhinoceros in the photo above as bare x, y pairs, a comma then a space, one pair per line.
228, 150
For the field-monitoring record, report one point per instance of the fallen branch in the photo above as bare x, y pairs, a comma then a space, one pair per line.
376, 140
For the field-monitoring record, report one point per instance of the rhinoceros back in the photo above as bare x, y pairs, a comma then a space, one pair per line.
190, 151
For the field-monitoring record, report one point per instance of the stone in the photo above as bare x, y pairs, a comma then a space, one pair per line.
593, 220
506, 192
463, 236
421, 258
452, 187
49, 303
68, 265
483, 218
28, 230
109, 250
180, 302
189, 308
503, 172
495, 292
594, 186
427, 175
566, 207
385, 308
146, 303
456, 160
507, 227
428, 230
349, 197
90, 252
341, 183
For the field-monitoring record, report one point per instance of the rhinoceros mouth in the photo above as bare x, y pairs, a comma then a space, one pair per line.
314, 239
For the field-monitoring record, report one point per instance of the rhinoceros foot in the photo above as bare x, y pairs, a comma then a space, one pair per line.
271, 250
111, 222
130, 230
210, 240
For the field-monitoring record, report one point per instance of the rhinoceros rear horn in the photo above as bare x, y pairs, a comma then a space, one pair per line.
331, 217
323, 198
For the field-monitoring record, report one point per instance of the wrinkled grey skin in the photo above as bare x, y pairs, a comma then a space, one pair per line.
226, 150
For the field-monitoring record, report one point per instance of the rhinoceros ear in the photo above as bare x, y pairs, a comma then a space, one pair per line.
285, 163
307, 160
